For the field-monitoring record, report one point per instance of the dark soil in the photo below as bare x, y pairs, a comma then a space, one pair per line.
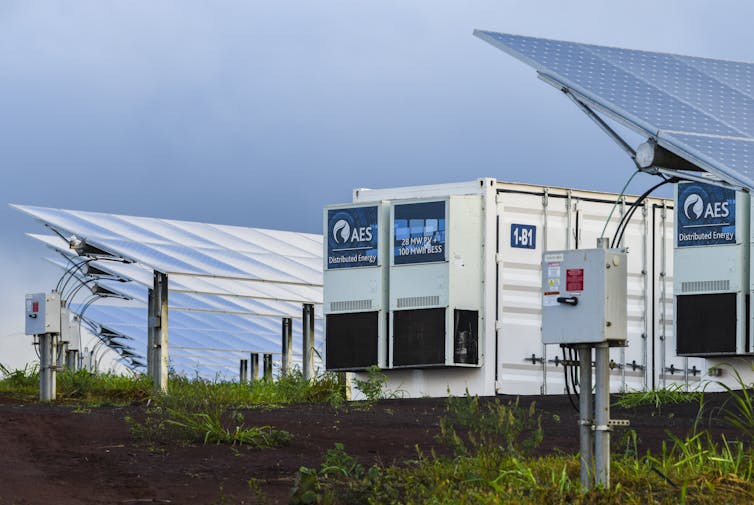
55, 455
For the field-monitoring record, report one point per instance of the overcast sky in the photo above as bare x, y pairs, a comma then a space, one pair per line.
258, 113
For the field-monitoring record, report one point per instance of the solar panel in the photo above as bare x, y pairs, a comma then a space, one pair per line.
168, 246
699, 108
210, 340
229, 286
180, 300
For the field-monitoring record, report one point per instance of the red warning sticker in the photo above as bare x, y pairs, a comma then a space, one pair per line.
574, 279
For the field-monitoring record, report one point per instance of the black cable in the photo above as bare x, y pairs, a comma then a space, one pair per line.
75, 267
618, 237
567, 387
574, 373
628, 215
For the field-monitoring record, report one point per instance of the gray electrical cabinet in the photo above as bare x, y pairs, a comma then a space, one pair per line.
584, 296
42, 313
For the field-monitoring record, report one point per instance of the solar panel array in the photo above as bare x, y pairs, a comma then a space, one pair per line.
701, 109
229, 286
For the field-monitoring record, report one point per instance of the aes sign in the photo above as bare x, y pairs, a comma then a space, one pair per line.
352, 237
419, 233
706, 215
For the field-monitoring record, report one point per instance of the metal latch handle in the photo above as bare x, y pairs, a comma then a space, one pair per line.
568, 300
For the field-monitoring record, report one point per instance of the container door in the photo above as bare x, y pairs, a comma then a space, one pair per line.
528, 225
669, 369
629, 364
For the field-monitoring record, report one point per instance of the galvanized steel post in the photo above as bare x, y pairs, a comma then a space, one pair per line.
602, 415
254, 366
287, 342
62, 353
151, 330
308, 341
159, 326
243, 371
267, 367
586, 423
47, 360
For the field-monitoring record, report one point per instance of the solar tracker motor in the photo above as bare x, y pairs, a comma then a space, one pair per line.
650, 155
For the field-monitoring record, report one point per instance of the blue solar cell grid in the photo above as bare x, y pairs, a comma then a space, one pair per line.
699, 108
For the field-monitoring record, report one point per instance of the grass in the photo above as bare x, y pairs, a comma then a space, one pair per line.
194, 411
658, 398
491, 463
490, 444
77, 387
21, 383
187, 393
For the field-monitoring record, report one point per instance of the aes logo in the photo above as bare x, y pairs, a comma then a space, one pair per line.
344, 231
695, 208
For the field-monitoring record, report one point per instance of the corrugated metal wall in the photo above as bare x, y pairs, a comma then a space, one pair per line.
568, 219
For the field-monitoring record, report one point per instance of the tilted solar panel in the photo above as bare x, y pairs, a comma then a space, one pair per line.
699, 108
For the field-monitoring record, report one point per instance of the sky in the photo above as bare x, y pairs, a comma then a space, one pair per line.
259, 113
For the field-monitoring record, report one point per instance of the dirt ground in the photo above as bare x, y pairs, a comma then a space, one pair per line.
55, 455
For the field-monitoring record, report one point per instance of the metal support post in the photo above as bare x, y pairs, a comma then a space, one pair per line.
71, 360
308, 341
243, 371
53, 370
267, 364
160, 335
44, 356
254, 366
47, 361
586, 445
152, 325
285, 361
62, 354
602, 415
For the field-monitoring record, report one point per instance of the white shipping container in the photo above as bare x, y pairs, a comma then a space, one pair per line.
519, 223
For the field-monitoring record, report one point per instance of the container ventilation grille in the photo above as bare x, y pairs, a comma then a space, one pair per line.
350, 305
418, 301
705, 286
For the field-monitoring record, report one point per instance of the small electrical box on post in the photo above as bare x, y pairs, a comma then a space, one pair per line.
42, 313
584, 296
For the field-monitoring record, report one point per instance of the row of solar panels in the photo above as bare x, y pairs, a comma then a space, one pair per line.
229, 287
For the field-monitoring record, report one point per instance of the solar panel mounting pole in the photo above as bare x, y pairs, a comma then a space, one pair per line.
152, 326
160, 335
267, 367
287, 343
307, 322
254, 366
243, 371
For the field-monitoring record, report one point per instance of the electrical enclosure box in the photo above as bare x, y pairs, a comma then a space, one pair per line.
584, 296
42, 313
69, 330
355, 305
436, 282
711, 270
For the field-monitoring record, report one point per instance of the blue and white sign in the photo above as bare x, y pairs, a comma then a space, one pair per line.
419, 230
352, 237
523, 236
706, 215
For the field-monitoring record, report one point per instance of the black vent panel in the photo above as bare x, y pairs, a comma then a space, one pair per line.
419, 337
351, 340
706, 324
